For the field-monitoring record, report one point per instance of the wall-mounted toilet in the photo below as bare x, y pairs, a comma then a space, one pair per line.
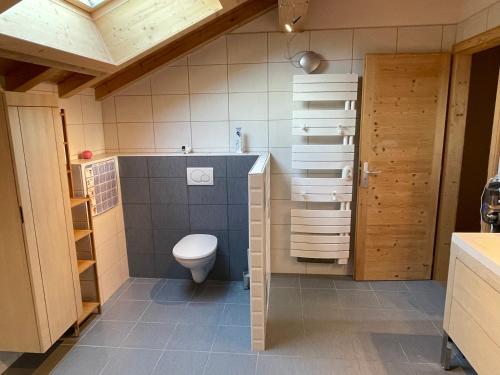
197, 252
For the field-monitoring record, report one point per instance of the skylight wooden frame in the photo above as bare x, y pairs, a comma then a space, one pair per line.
87, 8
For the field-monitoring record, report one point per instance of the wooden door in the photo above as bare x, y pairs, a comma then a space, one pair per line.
36, 146
401, 137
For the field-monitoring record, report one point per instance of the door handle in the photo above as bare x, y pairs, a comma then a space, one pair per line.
365, 173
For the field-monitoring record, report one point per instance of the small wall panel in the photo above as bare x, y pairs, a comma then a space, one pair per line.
321, 221
322, 156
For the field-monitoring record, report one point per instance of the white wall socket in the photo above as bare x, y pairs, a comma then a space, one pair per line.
200, 176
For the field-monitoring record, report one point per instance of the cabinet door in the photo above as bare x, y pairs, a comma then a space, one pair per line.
45, 183
402, 130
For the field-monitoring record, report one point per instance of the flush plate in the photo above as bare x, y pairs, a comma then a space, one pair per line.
200, 176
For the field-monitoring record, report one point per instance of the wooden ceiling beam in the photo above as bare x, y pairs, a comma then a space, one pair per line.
75, 83
26, 76
227, 21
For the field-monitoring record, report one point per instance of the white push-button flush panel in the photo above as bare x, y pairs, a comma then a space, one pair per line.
200, 176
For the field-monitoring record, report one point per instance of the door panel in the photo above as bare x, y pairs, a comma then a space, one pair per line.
402, 129
46, 196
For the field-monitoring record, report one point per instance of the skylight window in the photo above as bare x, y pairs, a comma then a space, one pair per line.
92, 3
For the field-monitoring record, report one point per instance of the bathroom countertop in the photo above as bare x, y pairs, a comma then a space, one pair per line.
484, 247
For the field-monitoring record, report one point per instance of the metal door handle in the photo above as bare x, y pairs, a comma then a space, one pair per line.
365, 173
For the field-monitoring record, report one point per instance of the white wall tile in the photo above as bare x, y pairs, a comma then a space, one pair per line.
374, 40
248, 106
267, 22
334, 67
172, 135
247, 77
449, 37
141, 87
281, 160
170, 80
332, 44
247, 48
209, 107
136, 135
280, 237
278, 51
419, 39
358, 66
280, 105
76, 138
94, 137
108, 110
91, 110
281, 210
212, 53
281, 76
281, 186
493, 16
280, 134
170, 108
181, 61
111, 136
205, 79
210, 135
255, 134
282, 262
133, 109
474, 25
73, 110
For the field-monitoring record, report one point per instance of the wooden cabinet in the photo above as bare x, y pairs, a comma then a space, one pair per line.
39, 286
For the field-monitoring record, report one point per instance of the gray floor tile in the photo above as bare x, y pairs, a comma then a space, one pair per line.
83, 360
393, 286
231, 364
149, 336
280, 365
361, 299
107, 333
132, 362
436, 369
397, 300
176, 290
348, 283
147, 280
164, 312
284, 314
319, 297
192, 337
422, 348
385, 368
126, 310
203, 313
141, 291
321, 342
432, 302
327, 314
284, 339
367, 320
378, 347
181, 363
212, 293
236, 294
285, 296
312, 281
285, 280
232, 339
409, 322
428, 286
238, 315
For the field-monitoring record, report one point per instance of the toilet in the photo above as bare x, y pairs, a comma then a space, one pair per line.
197, 252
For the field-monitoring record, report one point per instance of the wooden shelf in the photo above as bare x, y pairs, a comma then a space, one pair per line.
81, 233
88, 308
84, 265
78, 201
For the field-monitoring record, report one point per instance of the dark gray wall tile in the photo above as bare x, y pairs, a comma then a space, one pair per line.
137, 215
139, 240
238, 217
168, 190
213, 194
221, 268
166, 239
171, 216
237, 190
133, 166
222, 240
218, 163
239, 166
141, 264
166, 266
167, 166
238, 247
208, 217
135, 190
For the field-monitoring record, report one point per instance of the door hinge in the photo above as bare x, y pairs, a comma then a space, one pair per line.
22, 215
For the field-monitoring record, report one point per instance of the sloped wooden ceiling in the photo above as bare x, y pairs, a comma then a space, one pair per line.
112, 46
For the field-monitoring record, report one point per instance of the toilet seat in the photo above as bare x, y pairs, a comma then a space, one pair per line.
195, 246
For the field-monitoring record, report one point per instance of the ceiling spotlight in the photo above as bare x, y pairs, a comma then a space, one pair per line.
288, 27
309, 61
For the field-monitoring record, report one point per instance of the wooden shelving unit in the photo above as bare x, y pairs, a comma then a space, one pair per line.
84, 265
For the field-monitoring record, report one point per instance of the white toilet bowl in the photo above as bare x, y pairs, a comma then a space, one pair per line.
197, 252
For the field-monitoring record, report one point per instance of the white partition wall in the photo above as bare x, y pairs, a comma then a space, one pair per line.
328, 119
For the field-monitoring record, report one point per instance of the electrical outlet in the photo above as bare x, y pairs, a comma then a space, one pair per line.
200, 176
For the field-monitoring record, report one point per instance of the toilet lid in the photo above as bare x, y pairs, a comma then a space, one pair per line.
195, 246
